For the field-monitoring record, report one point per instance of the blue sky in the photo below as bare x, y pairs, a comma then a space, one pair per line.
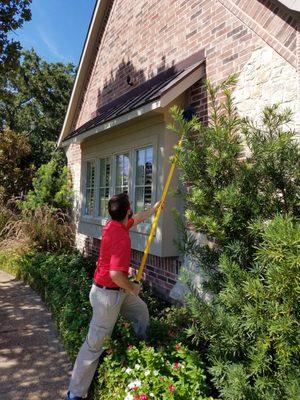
57, 29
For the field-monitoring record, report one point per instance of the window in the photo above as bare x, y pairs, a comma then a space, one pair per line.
89, 188
104, 186
143, 178
122, 173
128, 172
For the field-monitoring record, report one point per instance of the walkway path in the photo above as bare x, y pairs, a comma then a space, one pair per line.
33, 363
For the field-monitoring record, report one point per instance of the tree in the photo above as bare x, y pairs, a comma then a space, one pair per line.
51, 187
33, 100
13, 13
15, 172
249, 205
227, 190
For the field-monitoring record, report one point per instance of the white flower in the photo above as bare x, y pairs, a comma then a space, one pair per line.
136, 383
155, 373
147, 372
128, 397
152, 395
128, 371
137, 366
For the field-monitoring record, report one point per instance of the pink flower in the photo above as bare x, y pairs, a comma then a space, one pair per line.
143, 396
175, 365
109, 351
129, 346
126, 325
172, 388
178, 346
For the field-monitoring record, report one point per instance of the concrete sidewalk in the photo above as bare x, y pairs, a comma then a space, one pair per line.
33, 363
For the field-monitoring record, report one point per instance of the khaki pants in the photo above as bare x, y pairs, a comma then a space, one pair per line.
107, 304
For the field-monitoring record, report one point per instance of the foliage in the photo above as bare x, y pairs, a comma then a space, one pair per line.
252, 325
144, 373
13, 14
51, 187
45, 228
5, 216
33, 100
228, 189
243, 190
15, 171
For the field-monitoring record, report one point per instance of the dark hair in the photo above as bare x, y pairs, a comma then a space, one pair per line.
118, 206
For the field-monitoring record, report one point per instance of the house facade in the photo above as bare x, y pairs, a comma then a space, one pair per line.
141, 57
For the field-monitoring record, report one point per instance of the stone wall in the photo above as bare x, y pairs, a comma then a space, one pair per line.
267, 78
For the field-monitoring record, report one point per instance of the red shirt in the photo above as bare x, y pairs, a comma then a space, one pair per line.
114, 252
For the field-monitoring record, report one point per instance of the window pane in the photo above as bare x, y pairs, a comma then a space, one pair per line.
89, 188
105, 179
119, 171
90, 173
148, 173
89, 201
121, 189
125, 170
147, 195
102, 172
143, 180
122, 173
139, 199
140, 167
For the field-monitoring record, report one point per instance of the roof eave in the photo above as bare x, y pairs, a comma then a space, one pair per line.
88, 51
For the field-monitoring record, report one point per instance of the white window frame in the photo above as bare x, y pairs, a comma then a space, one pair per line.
130, 168
112, 153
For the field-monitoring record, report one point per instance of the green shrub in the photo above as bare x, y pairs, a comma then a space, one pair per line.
229, 188
252, 325
143, 372
248, 206
15, 171
51, 187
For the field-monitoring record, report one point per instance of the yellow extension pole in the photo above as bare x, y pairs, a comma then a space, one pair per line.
156, 219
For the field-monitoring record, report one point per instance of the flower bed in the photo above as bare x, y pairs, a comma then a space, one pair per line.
164, 368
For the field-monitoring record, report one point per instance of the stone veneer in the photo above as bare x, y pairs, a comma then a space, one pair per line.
267, 79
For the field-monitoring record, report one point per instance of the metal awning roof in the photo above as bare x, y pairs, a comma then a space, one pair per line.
155, 93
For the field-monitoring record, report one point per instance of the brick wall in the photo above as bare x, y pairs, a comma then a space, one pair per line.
142, 38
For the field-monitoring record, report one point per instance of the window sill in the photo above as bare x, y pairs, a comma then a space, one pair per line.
142, 228
93, 220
